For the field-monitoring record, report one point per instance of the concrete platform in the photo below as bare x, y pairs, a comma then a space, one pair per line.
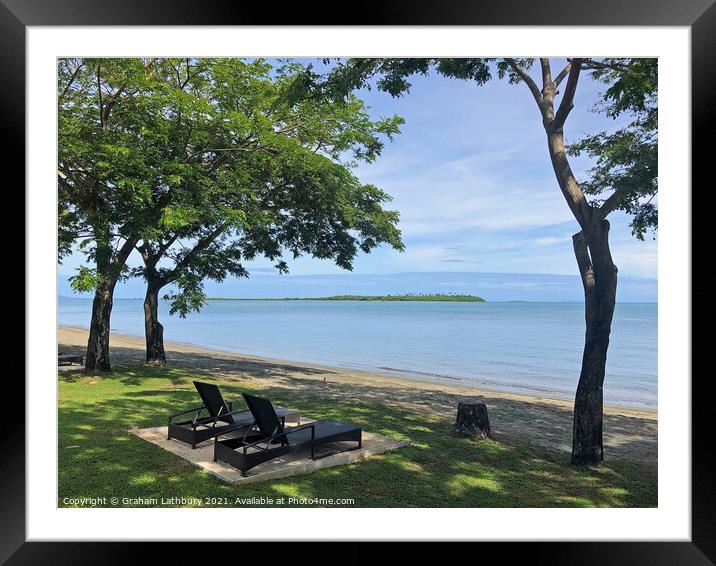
286, 466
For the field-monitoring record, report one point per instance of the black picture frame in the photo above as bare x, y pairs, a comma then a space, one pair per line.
699, 15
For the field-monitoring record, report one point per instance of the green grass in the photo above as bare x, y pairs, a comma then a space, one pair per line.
99, 458
440, 297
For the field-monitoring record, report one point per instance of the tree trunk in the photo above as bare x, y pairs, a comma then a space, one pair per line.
153, 329
97, 358
472, 420
108, 272
599, 279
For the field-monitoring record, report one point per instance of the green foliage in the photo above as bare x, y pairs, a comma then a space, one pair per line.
627, 158
633, 87
85, 280
191, 298
207, 163
389, 75
99, 458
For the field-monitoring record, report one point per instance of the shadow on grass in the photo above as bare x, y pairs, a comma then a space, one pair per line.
215, 363
98, 457
545, 425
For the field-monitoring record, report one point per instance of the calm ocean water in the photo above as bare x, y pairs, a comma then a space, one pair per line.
532, 348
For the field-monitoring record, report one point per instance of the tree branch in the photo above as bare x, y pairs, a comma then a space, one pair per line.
144, 252
563, 73
125, 250
189, 76
110, 100
584, 262
200, 246
534, 89
546, 75
99, 95
610, 204
168, 244
613, 202
71, 81
567, 103
591, 64
152, 258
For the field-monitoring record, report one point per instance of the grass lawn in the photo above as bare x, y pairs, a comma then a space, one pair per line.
99, 458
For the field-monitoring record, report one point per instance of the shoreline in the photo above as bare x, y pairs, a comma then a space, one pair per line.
388, 375
629, 433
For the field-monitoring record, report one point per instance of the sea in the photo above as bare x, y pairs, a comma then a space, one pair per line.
520, 347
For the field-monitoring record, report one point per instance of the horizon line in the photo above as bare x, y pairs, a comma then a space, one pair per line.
78, 297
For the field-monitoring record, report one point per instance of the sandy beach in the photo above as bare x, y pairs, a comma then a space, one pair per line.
628, 432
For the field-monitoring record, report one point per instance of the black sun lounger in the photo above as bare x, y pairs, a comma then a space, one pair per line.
68, 359
245, 451
221, 417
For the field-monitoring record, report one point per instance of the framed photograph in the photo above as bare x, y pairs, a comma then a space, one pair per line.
420, 276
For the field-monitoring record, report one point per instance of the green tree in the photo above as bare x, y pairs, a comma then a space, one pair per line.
624, 177
105, 177
200, 165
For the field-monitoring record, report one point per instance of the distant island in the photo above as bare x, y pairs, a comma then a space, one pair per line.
443, 297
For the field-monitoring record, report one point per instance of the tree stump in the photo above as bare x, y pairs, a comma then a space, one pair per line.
472, 420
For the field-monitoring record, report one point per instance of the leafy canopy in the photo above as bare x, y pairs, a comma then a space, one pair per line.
626, 160
624, 176
203, 164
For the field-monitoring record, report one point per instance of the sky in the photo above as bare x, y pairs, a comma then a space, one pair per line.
471, 177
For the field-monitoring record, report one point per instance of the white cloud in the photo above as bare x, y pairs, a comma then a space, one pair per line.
468, 194
552, 240
636, 261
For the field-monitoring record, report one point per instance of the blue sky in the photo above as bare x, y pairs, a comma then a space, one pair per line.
473, 183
